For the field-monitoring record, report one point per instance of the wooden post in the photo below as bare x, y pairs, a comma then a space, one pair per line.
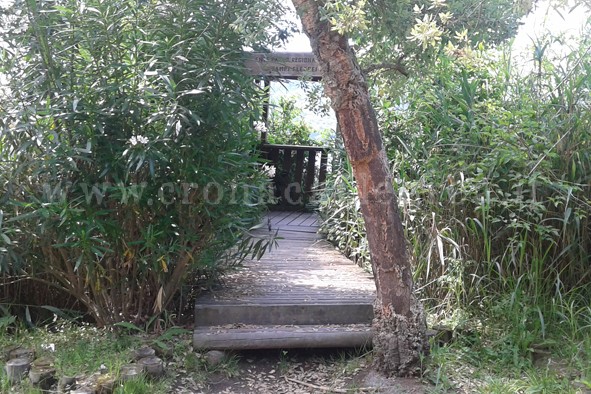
299, 170
323, 166
267, 88
287, 160
310, 172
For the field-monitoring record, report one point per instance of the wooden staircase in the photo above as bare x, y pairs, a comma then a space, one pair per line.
302, 294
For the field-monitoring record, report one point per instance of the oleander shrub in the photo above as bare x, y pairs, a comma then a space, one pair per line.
128, 155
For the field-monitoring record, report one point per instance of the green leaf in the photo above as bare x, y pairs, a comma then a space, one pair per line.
129, 326
28, 319
23, 216
5, 238
191, 92
160, 344
173, 332
7, 321
78, 262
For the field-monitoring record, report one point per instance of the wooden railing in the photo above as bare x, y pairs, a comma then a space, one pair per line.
300, 171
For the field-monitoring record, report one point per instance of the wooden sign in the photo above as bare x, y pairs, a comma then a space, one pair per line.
289, 65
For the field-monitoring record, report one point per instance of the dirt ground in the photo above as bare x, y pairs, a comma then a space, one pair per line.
295, 372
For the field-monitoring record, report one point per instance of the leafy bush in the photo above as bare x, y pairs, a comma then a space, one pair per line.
342, 222
287, 126
127, 152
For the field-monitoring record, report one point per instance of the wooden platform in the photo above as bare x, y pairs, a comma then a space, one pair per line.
303, 293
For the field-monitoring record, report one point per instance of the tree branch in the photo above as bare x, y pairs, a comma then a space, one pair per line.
398, 66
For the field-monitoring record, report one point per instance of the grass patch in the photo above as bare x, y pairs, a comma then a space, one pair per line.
506, 349
85, 350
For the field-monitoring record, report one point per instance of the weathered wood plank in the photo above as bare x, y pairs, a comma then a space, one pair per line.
310, 172
287, 161
298, 229
271, 215
282, 64
323, 167
283, 314
312, 222
286, 217
289, 187
303, 301
282, 337
293, 217
299, 170
303, 280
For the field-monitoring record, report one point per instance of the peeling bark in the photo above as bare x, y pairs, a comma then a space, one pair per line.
400, 324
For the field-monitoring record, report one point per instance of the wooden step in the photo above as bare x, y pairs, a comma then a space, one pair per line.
284, 314
281, 337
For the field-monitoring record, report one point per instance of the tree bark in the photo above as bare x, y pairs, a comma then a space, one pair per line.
400, 326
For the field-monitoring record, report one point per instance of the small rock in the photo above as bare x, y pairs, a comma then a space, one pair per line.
214, 357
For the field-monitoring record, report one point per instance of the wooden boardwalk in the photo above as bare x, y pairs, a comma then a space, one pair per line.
303, 293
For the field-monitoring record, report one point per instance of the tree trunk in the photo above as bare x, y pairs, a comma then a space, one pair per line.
400, 338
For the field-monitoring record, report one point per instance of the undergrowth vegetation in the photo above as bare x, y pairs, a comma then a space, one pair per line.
82, 351
128, 159
287, 127
493, 173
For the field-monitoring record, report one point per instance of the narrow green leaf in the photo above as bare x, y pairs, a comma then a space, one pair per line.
129, 326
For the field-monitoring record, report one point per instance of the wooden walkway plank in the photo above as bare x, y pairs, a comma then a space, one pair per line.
311, 221
302, 282
265, 337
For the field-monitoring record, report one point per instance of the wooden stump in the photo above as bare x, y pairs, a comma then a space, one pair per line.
65, 384
143, 352
43, 362
22, 352
87, 385
153, 366
17, 368
6, 351
105, 384
131, 371
42, 376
